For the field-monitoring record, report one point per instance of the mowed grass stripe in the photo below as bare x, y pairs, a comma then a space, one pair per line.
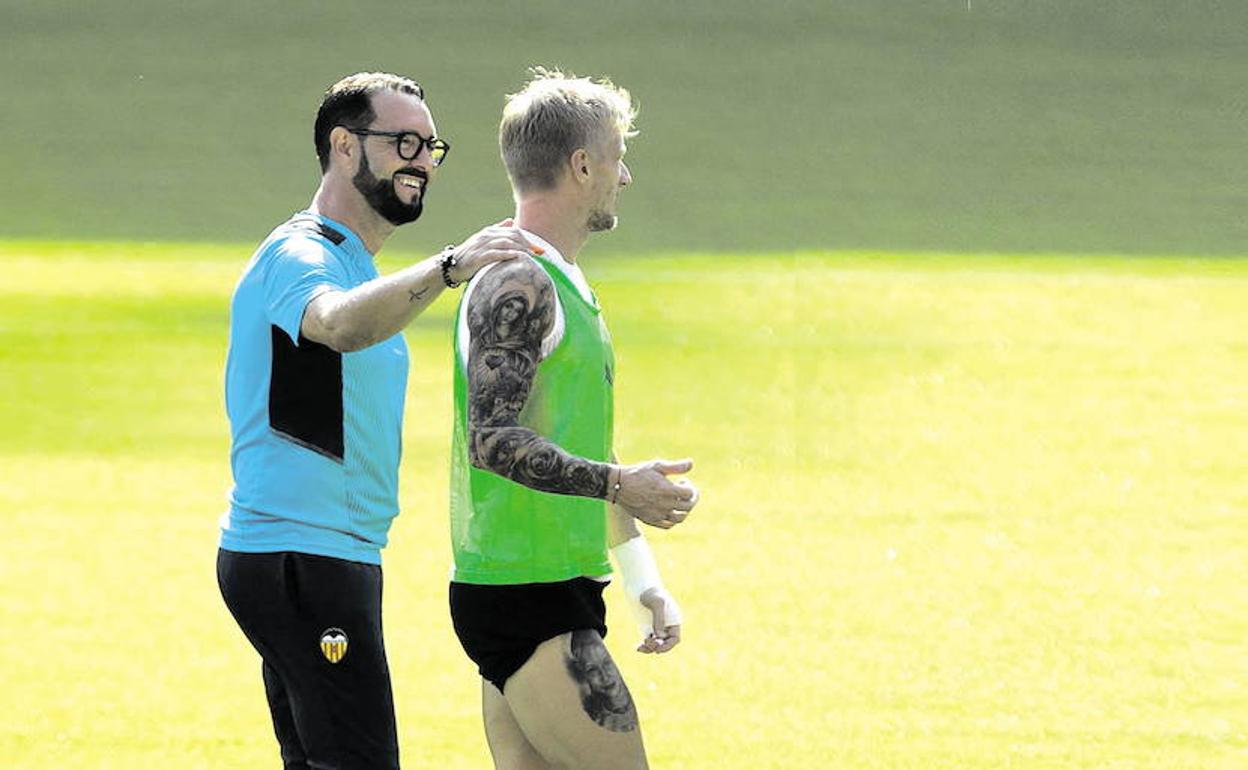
958, 512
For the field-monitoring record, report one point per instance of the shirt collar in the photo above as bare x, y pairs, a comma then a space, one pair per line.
572, 271
352, 242
549, 251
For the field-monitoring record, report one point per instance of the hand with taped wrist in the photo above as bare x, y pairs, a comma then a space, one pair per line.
658, 615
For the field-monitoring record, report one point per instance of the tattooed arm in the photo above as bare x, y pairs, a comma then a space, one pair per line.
510, 311
512, 308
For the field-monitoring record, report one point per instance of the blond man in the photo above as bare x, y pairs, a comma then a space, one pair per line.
537, 497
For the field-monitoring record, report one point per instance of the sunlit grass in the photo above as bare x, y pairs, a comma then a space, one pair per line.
959, 512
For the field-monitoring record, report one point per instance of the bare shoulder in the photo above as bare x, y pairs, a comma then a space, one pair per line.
512, 302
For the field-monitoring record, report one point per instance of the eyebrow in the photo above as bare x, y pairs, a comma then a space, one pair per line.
406, 131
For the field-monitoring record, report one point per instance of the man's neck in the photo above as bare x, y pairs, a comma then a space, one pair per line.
350, 208
547, 217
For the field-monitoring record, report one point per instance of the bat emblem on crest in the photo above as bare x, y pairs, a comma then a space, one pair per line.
333, 644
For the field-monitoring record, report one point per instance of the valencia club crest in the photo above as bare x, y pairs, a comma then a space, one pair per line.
334, 644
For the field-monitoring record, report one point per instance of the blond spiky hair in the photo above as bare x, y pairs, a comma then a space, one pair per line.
554, 115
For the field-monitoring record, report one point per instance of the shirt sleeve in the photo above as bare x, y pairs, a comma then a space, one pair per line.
299, 270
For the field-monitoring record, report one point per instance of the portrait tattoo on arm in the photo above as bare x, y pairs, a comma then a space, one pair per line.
604, 696
512, 308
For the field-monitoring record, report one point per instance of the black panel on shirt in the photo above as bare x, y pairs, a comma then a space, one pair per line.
305, 394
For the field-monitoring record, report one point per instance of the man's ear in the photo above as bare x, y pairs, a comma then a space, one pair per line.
340, 143
578, 162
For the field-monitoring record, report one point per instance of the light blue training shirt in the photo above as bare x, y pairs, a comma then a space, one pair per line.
316, 434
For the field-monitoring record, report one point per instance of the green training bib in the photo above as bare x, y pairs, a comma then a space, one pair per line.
504, 533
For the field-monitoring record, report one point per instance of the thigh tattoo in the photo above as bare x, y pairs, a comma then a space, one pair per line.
604, 696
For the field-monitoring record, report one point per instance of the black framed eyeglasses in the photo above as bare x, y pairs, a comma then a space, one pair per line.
409, 143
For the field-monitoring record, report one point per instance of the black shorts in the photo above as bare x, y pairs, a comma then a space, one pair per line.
316, 622
500, 626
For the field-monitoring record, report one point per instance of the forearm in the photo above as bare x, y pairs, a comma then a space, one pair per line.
621, 526
379, 309
528, 458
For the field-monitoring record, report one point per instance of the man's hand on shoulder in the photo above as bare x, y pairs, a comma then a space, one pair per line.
495, 243
366, 314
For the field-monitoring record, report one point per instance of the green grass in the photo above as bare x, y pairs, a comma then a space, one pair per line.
957, 513
980, 125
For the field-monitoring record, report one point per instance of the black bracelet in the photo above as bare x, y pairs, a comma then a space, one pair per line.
447, 262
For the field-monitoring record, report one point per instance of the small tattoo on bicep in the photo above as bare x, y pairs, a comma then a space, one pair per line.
604, 696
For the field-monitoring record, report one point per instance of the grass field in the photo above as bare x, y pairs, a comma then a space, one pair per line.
959, 125
957, 513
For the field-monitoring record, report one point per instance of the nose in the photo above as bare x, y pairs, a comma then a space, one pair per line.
626, 176
423, 159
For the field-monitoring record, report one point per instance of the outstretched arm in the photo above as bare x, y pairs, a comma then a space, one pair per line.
371, 312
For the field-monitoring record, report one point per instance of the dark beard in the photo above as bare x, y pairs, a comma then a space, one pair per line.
385, 201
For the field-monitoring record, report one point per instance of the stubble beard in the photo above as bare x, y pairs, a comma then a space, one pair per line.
600, 221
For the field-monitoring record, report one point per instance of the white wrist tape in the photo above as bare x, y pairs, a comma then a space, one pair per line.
640, 573
638, 570
672, 615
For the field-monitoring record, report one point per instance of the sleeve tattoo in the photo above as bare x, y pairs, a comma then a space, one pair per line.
509, 312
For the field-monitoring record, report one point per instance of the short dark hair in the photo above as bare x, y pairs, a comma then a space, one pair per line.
349, 102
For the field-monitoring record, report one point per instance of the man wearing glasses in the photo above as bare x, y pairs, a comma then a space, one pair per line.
315, 381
